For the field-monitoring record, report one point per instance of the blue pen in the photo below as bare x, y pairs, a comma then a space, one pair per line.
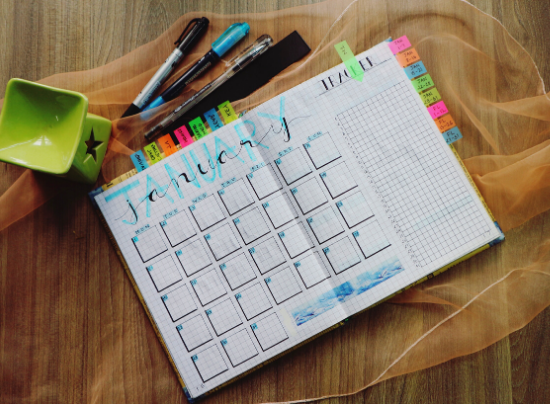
226, 41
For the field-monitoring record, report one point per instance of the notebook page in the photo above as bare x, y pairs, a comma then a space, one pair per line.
312, 207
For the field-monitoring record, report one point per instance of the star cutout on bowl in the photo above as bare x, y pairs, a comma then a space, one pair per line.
92, 146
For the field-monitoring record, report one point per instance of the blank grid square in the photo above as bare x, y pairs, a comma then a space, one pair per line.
207, 212
325, 225
354, 209
309, 195
149, 244
164, 273
209, 363
370, 238
296, 240
267, 255
238, 271
178, 228
312, 270
222, 241
223, 317
194, 333
239, 348
293, 166
342, 255
236, 197
208, 287
179, 302
269, 331
251, 225
283, 285
280, 210
193, 257
253, 301
338, 180
322, 150
264, 181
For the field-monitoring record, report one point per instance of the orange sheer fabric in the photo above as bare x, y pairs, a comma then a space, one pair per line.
495, 94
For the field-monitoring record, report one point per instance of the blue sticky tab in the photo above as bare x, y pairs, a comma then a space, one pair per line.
452, 135
415, 70
213, 119
138, 158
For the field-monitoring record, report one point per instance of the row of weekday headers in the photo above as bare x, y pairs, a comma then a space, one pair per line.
422, 82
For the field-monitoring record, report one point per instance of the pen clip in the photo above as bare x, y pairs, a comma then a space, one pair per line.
180, 39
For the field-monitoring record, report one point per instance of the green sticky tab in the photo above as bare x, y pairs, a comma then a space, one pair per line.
430, 97
198, 128
347, 56
153, 152
422, 83
227, 111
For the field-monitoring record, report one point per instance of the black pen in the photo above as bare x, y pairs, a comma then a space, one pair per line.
226, 41
183, 44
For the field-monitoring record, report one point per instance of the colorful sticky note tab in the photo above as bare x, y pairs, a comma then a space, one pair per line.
430, 97
138, 158
415, 70
438, 109
227, 111
408, 57
445, 123
153, 152
198, 128
213, 119
347, 56
399, 45
168, 145
183, 136
452, 135
422, 83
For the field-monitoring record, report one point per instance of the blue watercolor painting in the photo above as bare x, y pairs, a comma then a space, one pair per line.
346, 291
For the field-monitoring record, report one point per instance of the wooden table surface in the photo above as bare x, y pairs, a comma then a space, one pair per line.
40, 38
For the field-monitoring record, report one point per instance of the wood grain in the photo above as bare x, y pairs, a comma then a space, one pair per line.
80, 290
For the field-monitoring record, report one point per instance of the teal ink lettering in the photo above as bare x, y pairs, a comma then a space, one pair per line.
247, 141
202, 170
124, 191
161, 192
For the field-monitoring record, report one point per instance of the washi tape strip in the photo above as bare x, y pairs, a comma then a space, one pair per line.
227, 111
445, 123
198, 128
183, 136
167, 144
153, 153
415, 70
138, 158
408, 57
452, 135
351, 63
213, 119
430, 97
438, 110
422, 83
400, 44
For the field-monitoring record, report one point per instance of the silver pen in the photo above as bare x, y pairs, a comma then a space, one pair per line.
238, 63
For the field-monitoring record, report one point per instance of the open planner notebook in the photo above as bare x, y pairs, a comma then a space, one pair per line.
310, 208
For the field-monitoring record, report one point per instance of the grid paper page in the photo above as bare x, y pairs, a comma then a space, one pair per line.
389, 205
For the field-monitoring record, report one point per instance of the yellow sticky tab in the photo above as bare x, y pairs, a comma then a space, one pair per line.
349, 60
153, 153
228, 113
430, 97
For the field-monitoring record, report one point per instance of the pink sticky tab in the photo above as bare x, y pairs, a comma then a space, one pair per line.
438, 109
184, 137
400, 44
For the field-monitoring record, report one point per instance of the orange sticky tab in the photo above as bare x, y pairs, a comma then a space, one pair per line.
408, 57
167, 144
445, 123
